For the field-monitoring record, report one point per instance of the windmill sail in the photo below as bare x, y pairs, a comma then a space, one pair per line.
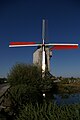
64, 46
23, 44
43, 30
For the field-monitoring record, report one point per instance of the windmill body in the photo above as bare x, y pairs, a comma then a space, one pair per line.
37, 57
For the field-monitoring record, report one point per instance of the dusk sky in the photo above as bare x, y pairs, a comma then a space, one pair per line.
21, 20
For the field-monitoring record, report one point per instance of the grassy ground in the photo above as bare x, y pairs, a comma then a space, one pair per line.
68, 88
50, 111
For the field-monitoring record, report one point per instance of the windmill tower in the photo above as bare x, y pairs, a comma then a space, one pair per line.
37, 57
42, 55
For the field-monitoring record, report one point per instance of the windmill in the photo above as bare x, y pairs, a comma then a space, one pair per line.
44, 47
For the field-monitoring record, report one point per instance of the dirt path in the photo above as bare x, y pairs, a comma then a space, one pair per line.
3, 88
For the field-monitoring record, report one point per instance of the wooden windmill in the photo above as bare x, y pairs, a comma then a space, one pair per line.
44, 49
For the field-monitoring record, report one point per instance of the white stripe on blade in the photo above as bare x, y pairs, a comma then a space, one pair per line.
25, 45
53, 44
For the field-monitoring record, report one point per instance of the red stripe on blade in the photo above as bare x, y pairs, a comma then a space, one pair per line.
22, 43
59, 47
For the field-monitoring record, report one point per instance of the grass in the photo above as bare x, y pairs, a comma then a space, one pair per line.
68, 88
50, 111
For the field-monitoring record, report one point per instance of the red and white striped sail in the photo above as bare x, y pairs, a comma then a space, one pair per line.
63, 46
23, 44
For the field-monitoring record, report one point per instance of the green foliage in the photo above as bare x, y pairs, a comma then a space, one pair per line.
26, 89
27, 84
2, 117
29, 75
26, 102
24, 74
24, 80
24, 94
50, 112
46, 84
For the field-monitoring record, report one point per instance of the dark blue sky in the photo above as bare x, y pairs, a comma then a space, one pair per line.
21, 20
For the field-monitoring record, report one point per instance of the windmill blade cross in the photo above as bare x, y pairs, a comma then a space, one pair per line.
43, 47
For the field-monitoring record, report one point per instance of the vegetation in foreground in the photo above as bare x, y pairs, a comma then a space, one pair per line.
25, 100
49, 111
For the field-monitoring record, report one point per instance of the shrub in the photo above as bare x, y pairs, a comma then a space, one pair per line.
24, 74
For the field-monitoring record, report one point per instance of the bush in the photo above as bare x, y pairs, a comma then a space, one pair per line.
27, 86
24, 80
24, 74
